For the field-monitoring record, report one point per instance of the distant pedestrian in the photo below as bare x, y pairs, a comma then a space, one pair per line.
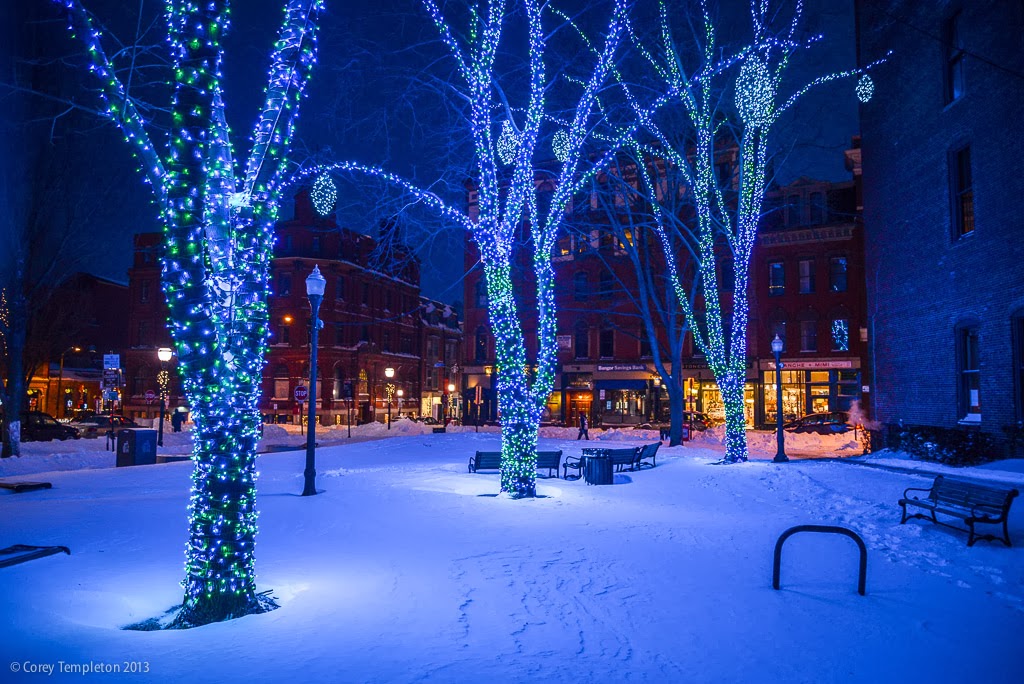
177, 418
583, 428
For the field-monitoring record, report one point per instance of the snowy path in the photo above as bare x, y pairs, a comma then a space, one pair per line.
407, 569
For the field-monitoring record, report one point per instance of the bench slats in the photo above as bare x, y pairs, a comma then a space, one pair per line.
491, 460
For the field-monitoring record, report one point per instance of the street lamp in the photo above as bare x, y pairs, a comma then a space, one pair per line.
451, 401
780, 455
401, 393
63, 412
164, 354
315, 292
389, 390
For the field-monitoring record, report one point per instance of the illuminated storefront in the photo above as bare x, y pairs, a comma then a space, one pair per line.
808, 387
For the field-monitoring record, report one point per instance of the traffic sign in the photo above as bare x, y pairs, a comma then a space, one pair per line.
111, 360
150, 396
301, 393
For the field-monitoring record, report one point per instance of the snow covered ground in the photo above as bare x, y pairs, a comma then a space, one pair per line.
405, 568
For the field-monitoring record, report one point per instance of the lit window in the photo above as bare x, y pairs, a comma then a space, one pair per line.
808, 336
954, 75
840, 335
837, 274
970, 373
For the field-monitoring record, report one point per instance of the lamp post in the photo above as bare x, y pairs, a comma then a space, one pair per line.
400, 393
315, 292
451, 401
389, 390
164, 354
63, 412
780, 455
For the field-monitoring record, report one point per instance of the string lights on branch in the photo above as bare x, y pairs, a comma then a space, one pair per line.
865, 88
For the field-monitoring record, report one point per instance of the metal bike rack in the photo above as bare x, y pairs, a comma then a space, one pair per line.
827, 529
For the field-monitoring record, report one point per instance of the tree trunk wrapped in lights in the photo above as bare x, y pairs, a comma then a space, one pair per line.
690, 147
218, 231
509, 214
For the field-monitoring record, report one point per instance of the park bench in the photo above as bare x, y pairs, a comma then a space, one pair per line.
647, 455
20, 553
971, 502
491, 460
19, 487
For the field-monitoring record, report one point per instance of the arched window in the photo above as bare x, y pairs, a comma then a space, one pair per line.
581, 341
816, 206
339, 382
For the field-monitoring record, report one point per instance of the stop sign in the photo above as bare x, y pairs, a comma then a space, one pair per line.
301, 393
150, 395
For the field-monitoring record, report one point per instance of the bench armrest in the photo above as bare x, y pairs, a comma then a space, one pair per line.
915, 489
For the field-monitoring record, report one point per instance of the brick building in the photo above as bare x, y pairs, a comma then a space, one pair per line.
373, 313
807, 281
807, 276
942, 156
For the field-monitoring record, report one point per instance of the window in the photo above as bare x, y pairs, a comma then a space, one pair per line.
364, 333
339, 336
286, 334
606, 285
581, 243
645, 344
284, 284
954, 76
776, 279
793, 210
581, 287
806, 276
385, 340
339, 288
366, 294
840, 334
144, 291
962, 192
143, 333
970, 373
317, 247
837, 274
607, 343
281, 383
1017, 323
778, 329
581, 342
816, 207
480, 348
433, 350
480, 293
808, 335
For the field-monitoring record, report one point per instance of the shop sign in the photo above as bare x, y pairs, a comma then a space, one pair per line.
810, 365
621, 367
111, 360
564, 341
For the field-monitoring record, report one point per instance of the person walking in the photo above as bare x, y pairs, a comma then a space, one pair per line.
583, 428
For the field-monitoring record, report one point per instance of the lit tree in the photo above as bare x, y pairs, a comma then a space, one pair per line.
512, 170
218, 240
722, 221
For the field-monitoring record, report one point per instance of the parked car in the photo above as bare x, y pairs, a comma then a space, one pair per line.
700, 421
831, 423
37, 426
96, 426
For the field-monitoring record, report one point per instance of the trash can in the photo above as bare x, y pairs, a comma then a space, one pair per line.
136, 447
597, 468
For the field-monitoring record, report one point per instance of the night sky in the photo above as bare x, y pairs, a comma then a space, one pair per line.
359, 107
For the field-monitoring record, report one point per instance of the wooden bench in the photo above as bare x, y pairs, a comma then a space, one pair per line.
622, 459
19, 487
971, 502
647, 452
491, 460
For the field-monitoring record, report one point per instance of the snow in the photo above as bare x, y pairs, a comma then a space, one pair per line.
406, 568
